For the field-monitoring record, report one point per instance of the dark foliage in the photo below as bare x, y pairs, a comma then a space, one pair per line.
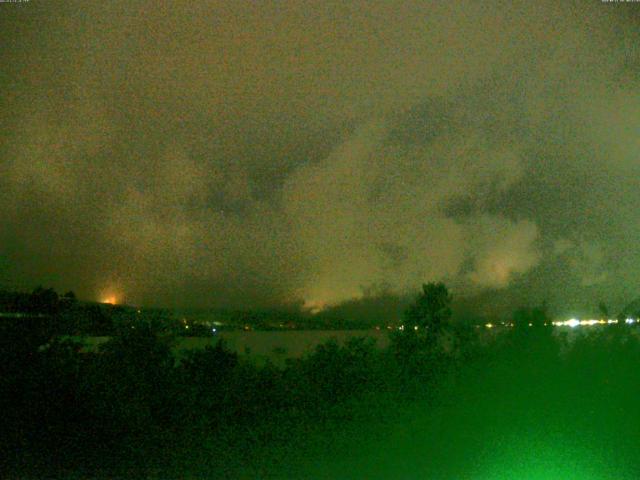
432, 308
133, 409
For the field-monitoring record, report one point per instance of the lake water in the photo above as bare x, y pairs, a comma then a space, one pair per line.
278, 345
264, 345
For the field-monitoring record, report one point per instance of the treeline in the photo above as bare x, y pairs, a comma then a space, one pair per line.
40, 301
133, 409
46, 313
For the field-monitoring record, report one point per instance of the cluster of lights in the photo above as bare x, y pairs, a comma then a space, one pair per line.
401, 328
574, 322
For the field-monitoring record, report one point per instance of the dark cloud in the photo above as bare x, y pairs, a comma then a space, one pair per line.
227, 153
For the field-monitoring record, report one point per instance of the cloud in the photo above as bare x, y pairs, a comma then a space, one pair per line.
505, 249
371, 212
587, 261
225, 153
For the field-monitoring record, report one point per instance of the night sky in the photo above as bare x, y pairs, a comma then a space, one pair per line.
248, 154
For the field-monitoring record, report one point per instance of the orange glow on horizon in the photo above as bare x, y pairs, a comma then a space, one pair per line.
111, 300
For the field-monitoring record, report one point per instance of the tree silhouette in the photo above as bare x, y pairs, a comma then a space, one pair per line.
432, 308
604, 311
44, 300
